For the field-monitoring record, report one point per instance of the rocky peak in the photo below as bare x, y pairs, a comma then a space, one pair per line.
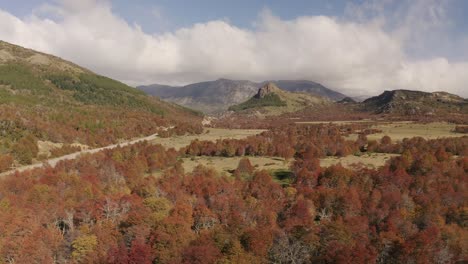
266, 90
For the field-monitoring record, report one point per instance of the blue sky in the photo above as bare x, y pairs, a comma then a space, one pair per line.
357, 47
182, 13
241, 12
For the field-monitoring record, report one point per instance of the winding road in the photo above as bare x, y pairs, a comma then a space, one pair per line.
53, 162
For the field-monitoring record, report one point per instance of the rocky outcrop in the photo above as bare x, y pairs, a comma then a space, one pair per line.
266, 90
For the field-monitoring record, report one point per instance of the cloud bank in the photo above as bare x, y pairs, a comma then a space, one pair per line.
354, 56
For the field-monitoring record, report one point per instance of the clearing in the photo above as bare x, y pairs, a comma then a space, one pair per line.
211, 134
228, 164
369, 160
176, 142
402, 129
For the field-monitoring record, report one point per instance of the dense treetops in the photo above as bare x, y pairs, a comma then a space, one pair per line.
109, 208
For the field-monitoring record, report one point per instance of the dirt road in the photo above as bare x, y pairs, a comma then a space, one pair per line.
53, 162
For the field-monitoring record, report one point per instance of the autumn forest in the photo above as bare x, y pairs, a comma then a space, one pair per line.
95, 171
105, 208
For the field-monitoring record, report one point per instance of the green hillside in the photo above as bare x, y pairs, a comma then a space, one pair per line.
26, 84
44, 98
254, 102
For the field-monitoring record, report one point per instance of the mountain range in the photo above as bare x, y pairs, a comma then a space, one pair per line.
62, 101
219, 95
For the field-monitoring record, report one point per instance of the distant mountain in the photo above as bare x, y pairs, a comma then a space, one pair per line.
307, 87
271, 100
217, 96
407, 102
209, 97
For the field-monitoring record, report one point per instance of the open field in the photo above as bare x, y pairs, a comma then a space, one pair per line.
210, 134
333, 122
372, 160
402, 129
224, 164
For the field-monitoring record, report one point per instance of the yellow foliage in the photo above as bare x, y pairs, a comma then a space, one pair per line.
83, 245
291, 192
160, 208
4, 204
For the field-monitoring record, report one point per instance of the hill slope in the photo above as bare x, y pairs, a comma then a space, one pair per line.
217, 96
271, 100
44, 97
407, 102
307, 87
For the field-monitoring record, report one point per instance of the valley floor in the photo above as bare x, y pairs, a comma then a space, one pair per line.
176, 142
400, 129
396, 131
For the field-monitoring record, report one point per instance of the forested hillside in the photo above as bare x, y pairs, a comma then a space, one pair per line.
46, 98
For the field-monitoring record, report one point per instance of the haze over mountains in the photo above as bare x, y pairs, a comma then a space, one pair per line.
219, 95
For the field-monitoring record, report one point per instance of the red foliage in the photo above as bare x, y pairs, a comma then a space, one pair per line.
6, 161
412, 209
202, 250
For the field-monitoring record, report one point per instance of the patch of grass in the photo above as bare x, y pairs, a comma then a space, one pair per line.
7, 97
214, 134
373, 160
276, 166
223, 164
18, 76
401, 130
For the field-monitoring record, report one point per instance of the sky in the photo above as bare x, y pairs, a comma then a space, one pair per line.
360, 47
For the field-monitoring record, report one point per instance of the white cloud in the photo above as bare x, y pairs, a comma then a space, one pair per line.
353, 57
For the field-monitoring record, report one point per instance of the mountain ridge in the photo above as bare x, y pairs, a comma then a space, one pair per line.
216, 96
410, 102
